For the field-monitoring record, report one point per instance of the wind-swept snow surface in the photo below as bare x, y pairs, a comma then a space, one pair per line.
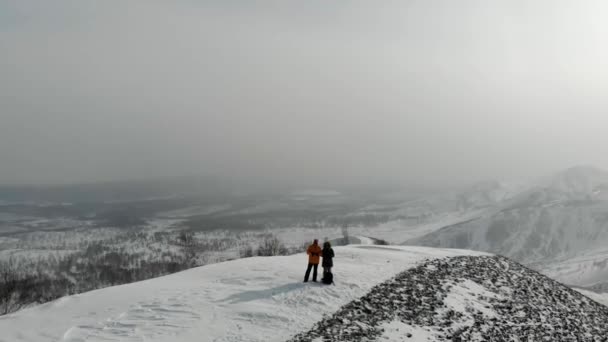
254, 299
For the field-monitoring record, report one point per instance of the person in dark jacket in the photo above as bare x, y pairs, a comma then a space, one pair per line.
314, 256
328, 257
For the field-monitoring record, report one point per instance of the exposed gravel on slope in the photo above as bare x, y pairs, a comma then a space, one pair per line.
468, 298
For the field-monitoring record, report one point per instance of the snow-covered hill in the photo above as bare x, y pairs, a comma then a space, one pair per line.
560, 219
382, 293
467, 298
253, 299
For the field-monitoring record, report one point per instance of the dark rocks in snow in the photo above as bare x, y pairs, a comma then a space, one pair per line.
468, 298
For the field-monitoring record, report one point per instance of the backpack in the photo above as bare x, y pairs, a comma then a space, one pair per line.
328, 278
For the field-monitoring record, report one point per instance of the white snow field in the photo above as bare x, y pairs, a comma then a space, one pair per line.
253, 299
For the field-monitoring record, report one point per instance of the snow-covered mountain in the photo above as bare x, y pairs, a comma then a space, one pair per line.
381, 293
559, 219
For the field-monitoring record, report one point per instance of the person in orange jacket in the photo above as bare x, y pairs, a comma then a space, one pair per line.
314, 256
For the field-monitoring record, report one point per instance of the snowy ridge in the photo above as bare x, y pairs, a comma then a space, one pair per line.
467, 298
252, 299
385, 293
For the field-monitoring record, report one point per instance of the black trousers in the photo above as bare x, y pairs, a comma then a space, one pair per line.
314, 273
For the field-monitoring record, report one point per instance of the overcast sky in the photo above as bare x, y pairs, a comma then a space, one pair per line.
302, 91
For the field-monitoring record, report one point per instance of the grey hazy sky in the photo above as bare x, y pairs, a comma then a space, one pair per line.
344, 91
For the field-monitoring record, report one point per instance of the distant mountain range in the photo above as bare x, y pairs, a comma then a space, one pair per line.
559, 225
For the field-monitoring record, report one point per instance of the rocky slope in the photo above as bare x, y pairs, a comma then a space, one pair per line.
466, 298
